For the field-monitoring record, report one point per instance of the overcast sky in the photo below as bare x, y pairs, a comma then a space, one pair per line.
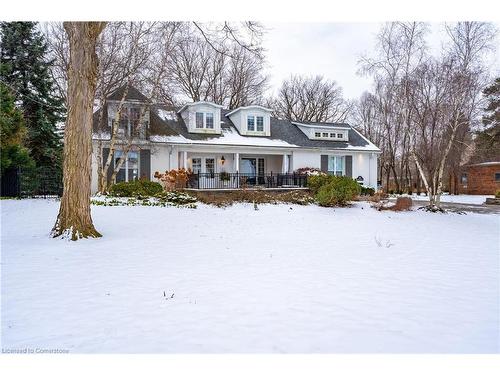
332, 50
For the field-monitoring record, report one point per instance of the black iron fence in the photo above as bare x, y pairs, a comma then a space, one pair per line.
225, 180
32, 182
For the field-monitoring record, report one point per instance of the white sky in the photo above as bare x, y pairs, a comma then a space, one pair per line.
332, 50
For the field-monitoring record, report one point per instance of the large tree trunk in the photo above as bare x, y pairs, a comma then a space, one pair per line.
74, 220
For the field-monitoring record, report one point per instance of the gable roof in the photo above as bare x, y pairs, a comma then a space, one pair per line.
248, 107
132, 94
198, 103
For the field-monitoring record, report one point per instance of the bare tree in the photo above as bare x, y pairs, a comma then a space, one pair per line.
145, 66
310, 99
446, 99
229, 75
74, 219
401, 48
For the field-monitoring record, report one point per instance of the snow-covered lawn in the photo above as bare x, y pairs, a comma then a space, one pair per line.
279, 279
447, 198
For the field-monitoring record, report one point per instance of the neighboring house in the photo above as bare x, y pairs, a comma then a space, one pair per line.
221, 146
482, 178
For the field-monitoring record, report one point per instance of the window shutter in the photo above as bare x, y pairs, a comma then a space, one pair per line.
145, 161
348, 166
324, 163
105, 153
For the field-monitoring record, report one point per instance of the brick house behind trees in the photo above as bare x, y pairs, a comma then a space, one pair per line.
481, 178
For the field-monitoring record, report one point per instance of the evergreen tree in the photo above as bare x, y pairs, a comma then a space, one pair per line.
12, 133
487, 142
25, 70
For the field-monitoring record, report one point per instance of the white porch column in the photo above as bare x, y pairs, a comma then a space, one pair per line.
237, 162
185, 159
284, 164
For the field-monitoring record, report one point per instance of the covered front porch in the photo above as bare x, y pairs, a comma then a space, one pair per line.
240, 170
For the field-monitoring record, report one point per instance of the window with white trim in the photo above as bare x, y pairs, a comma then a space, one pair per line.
209, 120
332, 135
317, 135
251, 123
129, 170
340, 135
204, 120
196, 165
255, 123
199, 120
260, 123
336, 165
210, 165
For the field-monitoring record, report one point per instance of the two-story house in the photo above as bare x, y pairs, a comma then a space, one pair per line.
220, 146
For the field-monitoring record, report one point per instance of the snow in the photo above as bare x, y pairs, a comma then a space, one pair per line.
228, 137
167, 115
278, 279
446, 198
101, 136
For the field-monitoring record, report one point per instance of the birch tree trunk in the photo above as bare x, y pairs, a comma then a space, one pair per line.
74, 220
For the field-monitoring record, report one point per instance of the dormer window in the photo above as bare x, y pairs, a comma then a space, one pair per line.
317, 135
209, 120
340, 135
260, 123
325, 135
204, 120
252, 121
332, 135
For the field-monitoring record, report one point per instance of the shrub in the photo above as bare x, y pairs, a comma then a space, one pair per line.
310, 171
174, 179
137, 188
338, 191
367, 191
497, 194
227, 198
224, 176
314, 183
402, 204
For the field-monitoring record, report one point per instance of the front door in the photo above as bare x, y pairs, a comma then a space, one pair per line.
253, 168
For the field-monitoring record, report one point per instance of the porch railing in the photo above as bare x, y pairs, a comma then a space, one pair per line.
244, 180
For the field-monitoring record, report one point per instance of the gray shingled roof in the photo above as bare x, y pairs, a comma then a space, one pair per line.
283, 130
280, 129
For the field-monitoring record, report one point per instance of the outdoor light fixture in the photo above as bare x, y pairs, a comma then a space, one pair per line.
222, 160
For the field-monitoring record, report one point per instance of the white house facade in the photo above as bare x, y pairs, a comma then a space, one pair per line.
218, 144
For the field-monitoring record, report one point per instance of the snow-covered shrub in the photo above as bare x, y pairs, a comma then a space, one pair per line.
176, 198
163, 199
338, 191
137, 188
310, 171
